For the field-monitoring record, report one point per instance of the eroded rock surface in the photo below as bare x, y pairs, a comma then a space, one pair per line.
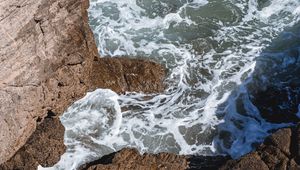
49, 59
46, 52
44, 147
131, 159
123, 74
279, 151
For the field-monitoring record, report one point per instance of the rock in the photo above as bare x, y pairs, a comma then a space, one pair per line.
131, 159
293, 165
281, 140
278, 105
49, 59
123, 74
251, 161
279, 151
44, 147
46, 51
206, 162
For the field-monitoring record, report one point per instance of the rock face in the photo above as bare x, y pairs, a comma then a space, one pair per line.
46, 144
49, 59
46, 52
279, 151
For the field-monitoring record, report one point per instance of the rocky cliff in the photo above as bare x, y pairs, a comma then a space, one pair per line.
46, 52
49, 59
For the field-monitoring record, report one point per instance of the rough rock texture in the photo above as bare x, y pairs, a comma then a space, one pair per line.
49, 59
44, 147
131, 159
122, 74
279, 151
46, 52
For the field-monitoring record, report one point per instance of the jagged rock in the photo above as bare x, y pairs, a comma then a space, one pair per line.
46, 51
131, 159
44, 147
123, 74
279, 151
281, 140
251, 161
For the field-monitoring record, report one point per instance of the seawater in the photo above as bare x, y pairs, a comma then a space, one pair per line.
214, 51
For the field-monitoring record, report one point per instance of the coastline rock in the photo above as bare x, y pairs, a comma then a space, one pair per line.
50, 59
44, 147
46, 51
277, 104
131, 159
123, 74
279, 151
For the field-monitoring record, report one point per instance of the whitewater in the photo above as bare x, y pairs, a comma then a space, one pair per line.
211, 50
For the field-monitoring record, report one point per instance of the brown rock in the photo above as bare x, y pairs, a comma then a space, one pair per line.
46, 51
281, 140
122, 74
131, 159
293, 165
277, 152
273, 157
43, 147
251, 161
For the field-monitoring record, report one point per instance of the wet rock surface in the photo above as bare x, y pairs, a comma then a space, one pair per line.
131, 159
279, 151
278, 104
50, 59
123, 74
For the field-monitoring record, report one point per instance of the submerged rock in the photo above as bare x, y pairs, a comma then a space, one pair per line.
278, 104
